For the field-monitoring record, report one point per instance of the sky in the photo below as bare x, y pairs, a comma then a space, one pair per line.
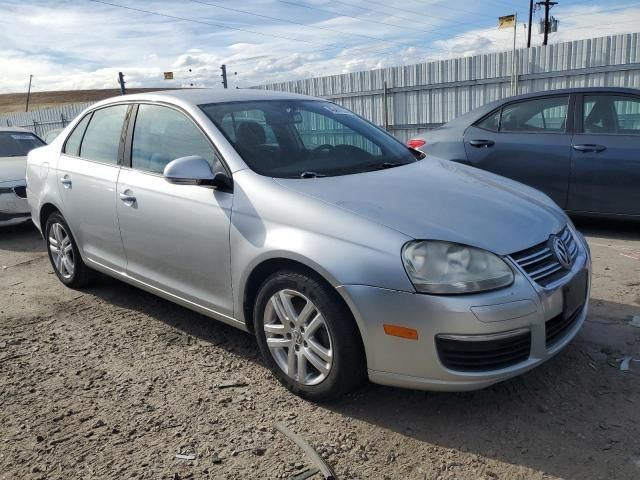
83, 44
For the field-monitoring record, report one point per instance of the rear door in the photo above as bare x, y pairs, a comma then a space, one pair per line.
87, 175
528, 141
605, 175
176, 237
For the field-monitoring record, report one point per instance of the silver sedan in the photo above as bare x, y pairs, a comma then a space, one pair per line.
347, 254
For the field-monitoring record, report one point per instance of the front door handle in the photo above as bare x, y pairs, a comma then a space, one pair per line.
127, 199
589, 147
481, 143
65, 181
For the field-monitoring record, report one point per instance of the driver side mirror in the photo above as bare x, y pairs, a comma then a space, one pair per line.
195, 170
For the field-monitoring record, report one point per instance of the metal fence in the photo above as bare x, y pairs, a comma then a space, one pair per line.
409, 99
41, 121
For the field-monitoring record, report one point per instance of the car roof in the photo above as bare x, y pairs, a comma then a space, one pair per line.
203, 96
15, 129
567, 91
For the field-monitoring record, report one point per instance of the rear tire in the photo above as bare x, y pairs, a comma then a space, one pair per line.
64, 255
308, 337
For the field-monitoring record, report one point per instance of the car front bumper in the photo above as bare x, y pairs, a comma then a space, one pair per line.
523, 310
14, 208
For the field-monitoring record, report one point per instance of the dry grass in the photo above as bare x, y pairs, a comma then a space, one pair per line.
15, 102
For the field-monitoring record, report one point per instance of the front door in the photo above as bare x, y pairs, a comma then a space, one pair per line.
527, 141
605, 175
87, 175
176, 237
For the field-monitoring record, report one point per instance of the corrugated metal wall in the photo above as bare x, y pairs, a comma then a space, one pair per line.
41, 121
425, 95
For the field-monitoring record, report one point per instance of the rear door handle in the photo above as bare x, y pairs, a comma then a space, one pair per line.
128, 200
481, 143
589, 147
65, 181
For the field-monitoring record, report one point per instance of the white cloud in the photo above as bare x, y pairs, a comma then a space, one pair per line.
80, 44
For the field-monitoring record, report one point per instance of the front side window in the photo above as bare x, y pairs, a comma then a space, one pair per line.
611, 114
18, 144
301, 138
163, 134
544, 115
101, 140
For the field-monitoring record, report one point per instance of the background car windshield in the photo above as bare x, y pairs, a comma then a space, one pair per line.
18, 144
292, 138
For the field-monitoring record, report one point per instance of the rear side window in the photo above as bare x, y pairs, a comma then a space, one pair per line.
163, 134
537, 115
72, 147
544, 115
611, 114
101, 140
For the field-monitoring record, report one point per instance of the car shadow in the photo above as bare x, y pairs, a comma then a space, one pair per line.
608, 228
537, 420
21, 238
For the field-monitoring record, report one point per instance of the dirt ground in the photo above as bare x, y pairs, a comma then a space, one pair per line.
111, 383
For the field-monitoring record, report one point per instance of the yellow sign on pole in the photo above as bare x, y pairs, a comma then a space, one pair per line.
168, 75
508, 21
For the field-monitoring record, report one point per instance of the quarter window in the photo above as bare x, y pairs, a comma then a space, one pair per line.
72, 147
492, 122
101, 141
611, 114
163, 134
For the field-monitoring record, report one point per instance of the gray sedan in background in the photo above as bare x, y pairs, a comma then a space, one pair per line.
580, 146
346, 253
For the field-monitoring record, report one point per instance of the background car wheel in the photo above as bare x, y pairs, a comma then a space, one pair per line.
64, 255
308, 337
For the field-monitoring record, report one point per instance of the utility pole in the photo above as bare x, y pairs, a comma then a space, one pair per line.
26, 109
547, 6
530, 21
121, 81
223, 67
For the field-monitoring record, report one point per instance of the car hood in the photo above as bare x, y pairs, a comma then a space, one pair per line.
442, 200
12, 168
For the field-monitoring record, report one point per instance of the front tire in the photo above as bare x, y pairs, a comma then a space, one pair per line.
308, 337
64, 255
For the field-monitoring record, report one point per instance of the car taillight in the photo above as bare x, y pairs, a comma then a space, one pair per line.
415, 143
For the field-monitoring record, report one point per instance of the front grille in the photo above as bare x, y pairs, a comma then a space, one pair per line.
20, 191
540, 262
558, 326
476, 354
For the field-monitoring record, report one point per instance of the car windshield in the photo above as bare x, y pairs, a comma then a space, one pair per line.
305, 138
18, 144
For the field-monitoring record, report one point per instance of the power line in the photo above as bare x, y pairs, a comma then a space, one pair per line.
289, 21
212, 24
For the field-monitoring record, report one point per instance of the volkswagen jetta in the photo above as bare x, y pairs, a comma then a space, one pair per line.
346, 253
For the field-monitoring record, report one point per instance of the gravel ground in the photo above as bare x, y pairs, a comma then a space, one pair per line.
112, 382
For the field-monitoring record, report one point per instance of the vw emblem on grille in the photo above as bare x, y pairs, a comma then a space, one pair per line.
561, 252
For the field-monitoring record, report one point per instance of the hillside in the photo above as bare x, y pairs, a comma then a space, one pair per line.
15, 102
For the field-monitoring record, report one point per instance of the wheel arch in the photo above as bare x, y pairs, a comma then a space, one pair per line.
262, 270
45, 211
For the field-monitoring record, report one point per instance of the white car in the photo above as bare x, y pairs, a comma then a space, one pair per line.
15, 143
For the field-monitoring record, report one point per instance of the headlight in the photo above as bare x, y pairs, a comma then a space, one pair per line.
450, 268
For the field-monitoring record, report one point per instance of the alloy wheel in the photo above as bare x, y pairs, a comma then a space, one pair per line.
298, 337
61, 249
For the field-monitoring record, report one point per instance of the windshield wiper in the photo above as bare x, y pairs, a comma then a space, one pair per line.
310, 175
